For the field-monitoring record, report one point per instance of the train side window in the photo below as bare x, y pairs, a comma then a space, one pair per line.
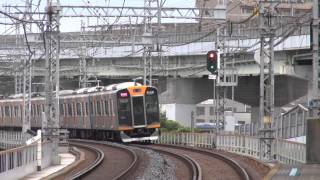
16, 111
42, 105
20, 110
10, 112
112, 108
69, 109
38, 110
78, 109
106, 107
98, 108
84, 108
7, 111
1, 111
31, 110
35, 110
61, 110
91, 108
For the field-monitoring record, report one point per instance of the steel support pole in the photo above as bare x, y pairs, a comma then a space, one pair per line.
315, 51
266, 27
52, 39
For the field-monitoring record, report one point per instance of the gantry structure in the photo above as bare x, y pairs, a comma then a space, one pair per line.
145, 30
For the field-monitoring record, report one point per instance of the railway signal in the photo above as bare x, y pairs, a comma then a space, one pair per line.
212, 61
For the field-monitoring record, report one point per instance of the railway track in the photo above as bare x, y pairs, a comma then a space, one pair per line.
116, 161
112, 162
213, 165
100, 156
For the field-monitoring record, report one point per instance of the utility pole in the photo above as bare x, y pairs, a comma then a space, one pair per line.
267, 32
52, 40
148, 43
312, 143
83, 78
315, 51
18, 76
27, 79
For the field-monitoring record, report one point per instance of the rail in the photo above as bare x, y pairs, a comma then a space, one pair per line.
132, 166
127, 171
241, 171
285, 151
96, 163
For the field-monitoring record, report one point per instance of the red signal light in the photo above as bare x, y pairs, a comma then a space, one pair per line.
212, 56
212, 61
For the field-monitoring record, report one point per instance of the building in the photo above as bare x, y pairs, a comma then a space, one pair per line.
235, 113
238, 11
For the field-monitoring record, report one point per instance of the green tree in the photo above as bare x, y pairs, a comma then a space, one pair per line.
168, 125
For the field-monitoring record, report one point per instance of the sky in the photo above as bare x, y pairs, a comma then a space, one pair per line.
74, 24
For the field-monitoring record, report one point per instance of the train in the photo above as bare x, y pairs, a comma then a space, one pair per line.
126, 112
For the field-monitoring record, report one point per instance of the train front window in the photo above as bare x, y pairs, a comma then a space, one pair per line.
124, 108
151, 104
138, 111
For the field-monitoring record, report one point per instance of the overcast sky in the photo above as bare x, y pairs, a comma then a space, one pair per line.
68, 24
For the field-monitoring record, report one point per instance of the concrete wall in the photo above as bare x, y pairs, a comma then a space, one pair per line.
180, 113
20, 172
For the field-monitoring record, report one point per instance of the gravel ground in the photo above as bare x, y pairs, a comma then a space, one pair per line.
153, 166
159, 167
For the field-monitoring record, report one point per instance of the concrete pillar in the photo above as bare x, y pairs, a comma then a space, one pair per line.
181, 97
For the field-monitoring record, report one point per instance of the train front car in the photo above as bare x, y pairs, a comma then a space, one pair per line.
138, 113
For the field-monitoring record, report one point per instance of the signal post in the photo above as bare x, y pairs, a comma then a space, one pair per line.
223, 77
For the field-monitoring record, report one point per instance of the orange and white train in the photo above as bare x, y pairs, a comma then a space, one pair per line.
126, 111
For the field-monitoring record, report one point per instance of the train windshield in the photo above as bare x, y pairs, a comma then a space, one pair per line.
124, 108
152, 105
138, 111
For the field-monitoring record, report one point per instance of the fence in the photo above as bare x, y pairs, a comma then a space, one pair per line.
285, 151
286, 125
10, 139
18, 162
205, 140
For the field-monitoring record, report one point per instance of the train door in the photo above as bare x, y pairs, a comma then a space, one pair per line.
152, 106
124, 107
90, 112
138, 111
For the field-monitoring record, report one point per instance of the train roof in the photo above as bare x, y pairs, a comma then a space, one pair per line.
79, 92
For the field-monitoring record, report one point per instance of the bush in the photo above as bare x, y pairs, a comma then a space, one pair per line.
170, 125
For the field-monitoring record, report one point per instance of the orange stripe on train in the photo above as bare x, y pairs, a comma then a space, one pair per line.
137, 90
154, 125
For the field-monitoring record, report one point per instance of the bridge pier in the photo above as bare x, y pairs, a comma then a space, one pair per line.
180, 95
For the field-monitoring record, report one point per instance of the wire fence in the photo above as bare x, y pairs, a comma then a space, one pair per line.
284, 151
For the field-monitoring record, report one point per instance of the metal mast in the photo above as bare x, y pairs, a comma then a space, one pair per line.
148, 43
27, 78
52, 41
267, 32
315, 48
18, 76
83, 78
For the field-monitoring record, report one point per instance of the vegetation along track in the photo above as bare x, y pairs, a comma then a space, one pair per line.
213, 165
119, 161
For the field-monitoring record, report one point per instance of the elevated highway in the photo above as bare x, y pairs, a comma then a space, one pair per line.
181, 71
